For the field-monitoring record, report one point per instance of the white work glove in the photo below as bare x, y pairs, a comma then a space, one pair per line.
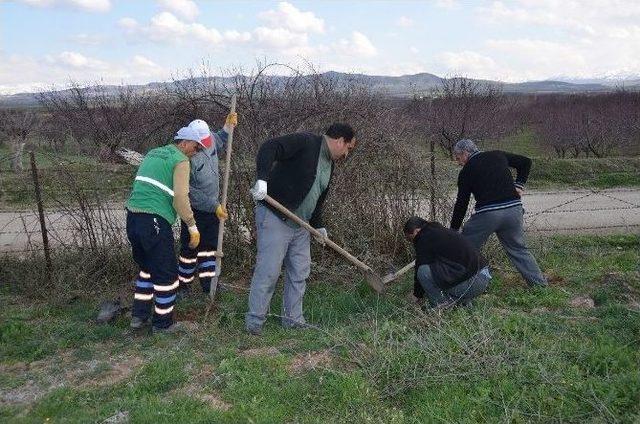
325, 235
259, 191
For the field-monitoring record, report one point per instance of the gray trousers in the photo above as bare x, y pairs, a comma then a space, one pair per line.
508, 224
463, 292
278, 243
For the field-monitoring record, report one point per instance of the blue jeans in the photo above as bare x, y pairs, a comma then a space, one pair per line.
460, 293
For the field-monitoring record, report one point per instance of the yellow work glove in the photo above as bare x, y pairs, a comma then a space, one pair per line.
221, 212
194, 237
232, 120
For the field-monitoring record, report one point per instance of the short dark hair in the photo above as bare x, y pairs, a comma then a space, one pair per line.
337, 130
413, 223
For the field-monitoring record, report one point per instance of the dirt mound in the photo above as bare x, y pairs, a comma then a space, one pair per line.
310, 361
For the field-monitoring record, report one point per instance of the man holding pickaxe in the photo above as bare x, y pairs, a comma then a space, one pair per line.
297, 170
204, 189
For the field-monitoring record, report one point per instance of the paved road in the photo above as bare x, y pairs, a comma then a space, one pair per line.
550, 212
583, 211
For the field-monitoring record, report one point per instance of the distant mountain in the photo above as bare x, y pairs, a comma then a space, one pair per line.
401, 86
622, 80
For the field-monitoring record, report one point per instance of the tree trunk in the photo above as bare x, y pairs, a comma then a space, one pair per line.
16, 156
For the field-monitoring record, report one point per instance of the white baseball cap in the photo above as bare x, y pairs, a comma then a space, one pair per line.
186, 133
203, 131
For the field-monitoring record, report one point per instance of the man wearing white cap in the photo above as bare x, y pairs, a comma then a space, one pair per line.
204, 189
160, 192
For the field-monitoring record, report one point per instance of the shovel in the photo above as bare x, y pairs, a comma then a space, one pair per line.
371, 277
223, 202
394, 275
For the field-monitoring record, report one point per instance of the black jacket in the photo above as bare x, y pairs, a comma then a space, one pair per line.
288, 164
487, 176
450, 256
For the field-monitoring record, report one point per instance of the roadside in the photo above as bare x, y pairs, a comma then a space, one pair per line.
569, 352
611, 211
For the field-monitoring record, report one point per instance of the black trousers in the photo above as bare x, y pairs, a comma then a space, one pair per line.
151, 241
202, 258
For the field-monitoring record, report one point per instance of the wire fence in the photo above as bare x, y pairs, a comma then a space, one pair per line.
62, 205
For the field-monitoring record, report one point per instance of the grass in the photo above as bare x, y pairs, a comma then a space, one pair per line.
518, 355
63, 177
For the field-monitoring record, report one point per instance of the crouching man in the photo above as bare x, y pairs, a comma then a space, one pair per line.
449, 270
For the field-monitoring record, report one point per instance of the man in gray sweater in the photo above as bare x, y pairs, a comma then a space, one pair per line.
204, 189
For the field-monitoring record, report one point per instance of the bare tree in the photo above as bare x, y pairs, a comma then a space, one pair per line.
18, 125
461, 108
105, 116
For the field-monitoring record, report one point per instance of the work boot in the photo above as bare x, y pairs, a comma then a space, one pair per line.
138, 323
183, 293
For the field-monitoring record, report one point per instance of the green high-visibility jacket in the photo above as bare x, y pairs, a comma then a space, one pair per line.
153, 187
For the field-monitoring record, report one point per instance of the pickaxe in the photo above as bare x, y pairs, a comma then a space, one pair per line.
372, 278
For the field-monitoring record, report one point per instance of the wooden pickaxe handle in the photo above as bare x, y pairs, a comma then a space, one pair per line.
318, 234
390, 277
223, 202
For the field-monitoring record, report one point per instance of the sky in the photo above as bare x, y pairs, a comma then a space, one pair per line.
49, 43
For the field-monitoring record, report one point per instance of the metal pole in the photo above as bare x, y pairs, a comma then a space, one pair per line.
43, 225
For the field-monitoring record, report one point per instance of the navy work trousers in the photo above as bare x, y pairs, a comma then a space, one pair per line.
151, 241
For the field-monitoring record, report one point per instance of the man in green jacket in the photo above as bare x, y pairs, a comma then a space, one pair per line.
160, 193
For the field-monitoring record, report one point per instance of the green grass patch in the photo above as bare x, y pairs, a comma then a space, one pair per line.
585, 173
518, 355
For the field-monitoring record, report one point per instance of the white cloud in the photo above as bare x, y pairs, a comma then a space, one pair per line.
20, 73
76, 60
468, 63
404, 22
577, 38
184, 8
98, 6
128, 24
414, 50
289, 17
279, 38
356, 46
89, 39
447, 4
167, 28
236, 36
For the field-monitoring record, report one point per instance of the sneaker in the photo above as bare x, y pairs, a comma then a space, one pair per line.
138, 323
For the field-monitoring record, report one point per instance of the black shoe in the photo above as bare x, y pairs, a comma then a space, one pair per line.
137, 323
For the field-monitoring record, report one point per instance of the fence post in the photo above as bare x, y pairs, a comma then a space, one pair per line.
432, 189
43, 225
